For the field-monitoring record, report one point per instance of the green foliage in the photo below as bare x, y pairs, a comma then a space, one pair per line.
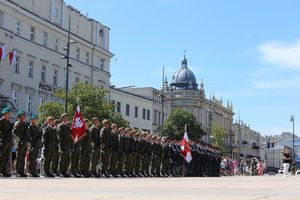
92, 101
175, 123
119, 120
218, 135
50, 109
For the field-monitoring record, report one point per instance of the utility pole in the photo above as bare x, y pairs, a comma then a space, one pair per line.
67, 56
293, 121
208, 135
240, 138
162, 101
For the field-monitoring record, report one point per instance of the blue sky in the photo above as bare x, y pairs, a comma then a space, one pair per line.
245, 51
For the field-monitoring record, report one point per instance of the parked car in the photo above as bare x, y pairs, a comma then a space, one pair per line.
297, 173
272, 169
280, 171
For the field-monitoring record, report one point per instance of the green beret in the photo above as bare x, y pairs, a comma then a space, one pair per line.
34, 116
5, 110
20, 113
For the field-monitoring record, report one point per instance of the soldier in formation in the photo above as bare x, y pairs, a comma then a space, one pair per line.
104, 151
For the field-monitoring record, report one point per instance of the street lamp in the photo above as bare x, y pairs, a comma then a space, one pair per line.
67, 56
273, 144
293, 121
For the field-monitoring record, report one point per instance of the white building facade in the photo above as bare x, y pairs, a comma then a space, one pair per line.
274, 156
247, 143
141, 107
38, 30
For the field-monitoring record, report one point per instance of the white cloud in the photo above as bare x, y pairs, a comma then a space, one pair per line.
285, 55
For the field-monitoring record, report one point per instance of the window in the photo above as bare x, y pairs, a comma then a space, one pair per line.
155, 117
28, 103
118, 107
41, 100
87, 58
14, 96
101, 36
30, 69
87, 82
44, 39
136, 112
144, 113
32, 33
113, 103
101, 63
43, 74
148, 114
77, 79
55, 78
56, 47
127, 109
159, 119
17, 65
77, 53
1, 18
18, 28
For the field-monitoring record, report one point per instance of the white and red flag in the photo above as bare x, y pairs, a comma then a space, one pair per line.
185, 147
2, 52
78, 126
12, 56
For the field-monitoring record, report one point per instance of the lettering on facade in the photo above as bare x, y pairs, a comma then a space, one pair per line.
46, 87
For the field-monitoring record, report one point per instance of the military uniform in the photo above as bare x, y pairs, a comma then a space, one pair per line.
85, 154
105, 136
21, 137
95, 147
157, 156
49, 140
75, 159
65, 142
56, 155
6, 145
121, 154
114, 154
35, 145
165, 159
139, 149
128, 147
146, 157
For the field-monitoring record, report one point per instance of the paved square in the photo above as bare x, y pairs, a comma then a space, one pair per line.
224, 188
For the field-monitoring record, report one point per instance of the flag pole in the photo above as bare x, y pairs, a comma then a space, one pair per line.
183, 167
183, 160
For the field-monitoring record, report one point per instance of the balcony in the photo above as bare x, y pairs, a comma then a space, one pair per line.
244, 142
255, 146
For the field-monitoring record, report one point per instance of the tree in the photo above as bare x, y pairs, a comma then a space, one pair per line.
50, 109
119, 120
218, 135
175, 123
92, 101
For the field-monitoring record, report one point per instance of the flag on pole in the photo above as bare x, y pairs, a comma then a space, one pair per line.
185, 147
2, 53
78, 126
12, 56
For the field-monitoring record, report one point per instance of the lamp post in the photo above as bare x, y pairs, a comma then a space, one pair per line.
240, 140
273, 143
293, 121
67, 56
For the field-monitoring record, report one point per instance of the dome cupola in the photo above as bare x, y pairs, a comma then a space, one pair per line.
184, 78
